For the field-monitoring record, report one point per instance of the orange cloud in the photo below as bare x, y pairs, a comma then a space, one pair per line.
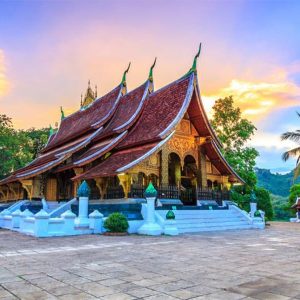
4, 84
256, 100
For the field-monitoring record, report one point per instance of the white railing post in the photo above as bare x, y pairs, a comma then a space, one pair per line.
69, 222
96, 221
41, 224
83, 194
16, 216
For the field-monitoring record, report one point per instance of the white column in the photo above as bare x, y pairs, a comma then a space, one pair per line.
150, 227
83, 211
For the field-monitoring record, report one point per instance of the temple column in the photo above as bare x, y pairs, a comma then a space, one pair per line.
102, 184
28, 186
164, 167
202, 178
125, 182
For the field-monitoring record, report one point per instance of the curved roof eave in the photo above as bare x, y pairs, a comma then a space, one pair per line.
230, 169
154, 149
206, 120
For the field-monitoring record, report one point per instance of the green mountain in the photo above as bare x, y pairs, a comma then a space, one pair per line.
277, 184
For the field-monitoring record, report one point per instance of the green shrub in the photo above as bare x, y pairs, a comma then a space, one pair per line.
264, 202
116, 222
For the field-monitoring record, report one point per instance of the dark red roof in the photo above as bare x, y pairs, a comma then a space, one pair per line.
160, 110
120, 159
128, 126
51, 158
128, 110
99, 149
83, 120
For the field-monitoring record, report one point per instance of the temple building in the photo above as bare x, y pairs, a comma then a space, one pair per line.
121, 141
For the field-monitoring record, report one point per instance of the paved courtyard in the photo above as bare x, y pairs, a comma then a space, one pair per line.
249, 264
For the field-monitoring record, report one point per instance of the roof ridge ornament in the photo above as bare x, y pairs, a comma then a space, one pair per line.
150, 77
90, 96
62, 114
124, 75
51, 131
194, 66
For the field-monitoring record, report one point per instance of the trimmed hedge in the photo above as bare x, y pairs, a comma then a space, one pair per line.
116, 222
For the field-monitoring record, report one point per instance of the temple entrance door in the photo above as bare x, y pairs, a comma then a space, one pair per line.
51, 189
174, 169
189, 181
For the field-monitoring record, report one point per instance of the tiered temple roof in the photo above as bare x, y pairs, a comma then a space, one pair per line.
118, 130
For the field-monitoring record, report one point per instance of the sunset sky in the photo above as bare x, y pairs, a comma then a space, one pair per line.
251, 50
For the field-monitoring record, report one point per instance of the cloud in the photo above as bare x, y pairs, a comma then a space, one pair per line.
4, 84
258, 99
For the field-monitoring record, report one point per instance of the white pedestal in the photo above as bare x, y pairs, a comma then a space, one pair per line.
150, 227
170, 227
253, 208
83, 219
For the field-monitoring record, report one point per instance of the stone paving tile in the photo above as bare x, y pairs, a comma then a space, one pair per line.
142, 292
246, 264
183, 294
118, 296
224, 295
270, 296
160, 297
112, 282
4, 293
79, 296
96, 289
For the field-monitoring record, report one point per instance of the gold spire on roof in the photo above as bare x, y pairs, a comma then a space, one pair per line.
90, 96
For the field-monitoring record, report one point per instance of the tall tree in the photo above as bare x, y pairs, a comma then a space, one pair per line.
295, 152
234, 132
18, 147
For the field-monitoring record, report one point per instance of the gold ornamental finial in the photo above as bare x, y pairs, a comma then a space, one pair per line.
89, 97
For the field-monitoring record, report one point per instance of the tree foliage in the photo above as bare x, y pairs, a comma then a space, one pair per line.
18, 147
234, 132
295, 152
277, 184
264, 202
294, 193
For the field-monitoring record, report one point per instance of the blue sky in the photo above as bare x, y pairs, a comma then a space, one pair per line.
251, 49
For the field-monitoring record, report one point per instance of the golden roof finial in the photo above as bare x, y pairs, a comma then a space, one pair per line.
89, 97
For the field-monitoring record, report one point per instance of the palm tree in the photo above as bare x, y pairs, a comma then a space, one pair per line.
295, 152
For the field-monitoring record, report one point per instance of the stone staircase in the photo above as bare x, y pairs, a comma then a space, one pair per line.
209, 220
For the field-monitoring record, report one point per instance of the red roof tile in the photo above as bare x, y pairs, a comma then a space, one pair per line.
82, 121
110, 166
160, 110
128, 110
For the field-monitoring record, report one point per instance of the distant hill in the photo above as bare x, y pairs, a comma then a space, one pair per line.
277, 184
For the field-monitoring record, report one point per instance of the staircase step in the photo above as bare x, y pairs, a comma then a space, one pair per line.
214, 228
